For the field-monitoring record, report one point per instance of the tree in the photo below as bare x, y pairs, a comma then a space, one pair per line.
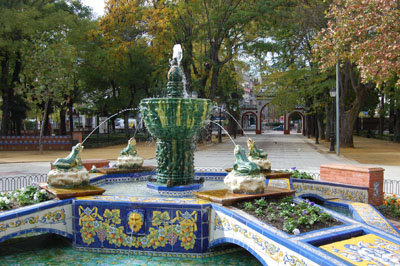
364, 37
365, 33
284, 58
49, 72
22, 22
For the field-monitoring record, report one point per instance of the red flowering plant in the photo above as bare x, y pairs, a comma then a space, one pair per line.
392, 204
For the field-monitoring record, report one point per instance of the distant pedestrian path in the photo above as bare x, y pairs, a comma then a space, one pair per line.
285, 152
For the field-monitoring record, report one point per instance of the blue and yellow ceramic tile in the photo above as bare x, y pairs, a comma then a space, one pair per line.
327, 191
366, 250
283, 183
371, 217
146, 199
163, 229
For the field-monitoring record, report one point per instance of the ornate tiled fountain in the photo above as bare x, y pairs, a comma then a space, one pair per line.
174, 120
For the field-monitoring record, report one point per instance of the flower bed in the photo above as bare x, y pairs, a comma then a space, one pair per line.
22, 197
391, 207
288, 216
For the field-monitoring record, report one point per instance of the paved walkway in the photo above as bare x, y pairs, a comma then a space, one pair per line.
285, 152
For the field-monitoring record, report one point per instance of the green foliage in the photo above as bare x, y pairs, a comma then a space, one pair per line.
259, 211
294, 215
261, 202
22, 197
248, 206
300, 175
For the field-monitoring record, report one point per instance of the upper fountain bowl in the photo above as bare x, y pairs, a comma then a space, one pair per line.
174, 118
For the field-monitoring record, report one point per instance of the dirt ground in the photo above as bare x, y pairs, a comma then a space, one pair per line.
146, 150
366, 150
372, 151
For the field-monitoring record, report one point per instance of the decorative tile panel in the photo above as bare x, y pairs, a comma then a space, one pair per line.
370, 216
56, 219
173, 227
366, 250
329, 191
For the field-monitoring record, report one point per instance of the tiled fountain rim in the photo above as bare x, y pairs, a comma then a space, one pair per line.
10, 214
300, 244
296, 180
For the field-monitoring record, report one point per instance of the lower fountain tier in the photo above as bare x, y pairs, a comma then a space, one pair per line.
175, 165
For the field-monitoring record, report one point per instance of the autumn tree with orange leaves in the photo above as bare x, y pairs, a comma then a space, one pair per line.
364, 37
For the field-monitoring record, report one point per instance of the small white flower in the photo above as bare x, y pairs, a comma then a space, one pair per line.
296, 231
42, 191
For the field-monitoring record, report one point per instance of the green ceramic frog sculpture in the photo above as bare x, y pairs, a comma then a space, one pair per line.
255, 152
130, 149
242, 164
258, 156
72, 161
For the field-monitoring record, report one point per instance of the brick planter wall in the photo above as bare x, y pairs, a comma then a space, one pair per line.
363, 176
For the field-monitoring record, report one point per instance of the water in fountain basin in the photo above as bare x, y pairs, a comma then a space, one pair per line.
139, 188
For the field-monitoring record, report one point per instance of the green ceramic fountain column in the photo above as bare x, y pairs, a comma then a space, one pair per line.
174, 121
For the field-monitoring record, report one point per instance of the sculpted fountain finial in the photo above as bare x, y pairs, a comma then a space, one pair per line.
175, 74
177, 53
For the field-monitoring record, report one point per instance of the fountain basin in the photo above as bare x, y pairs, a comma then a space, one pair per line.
174, 118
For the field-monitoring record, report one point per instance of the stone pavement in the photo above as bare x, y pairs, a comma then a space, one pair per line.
285, 152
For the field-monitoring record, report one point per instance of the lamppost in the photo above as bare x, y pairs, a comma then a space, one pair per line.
220, 109
234, 108
332, 93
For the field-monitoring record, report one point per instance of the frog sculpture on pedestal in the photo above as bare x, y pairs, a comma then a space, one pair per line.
68, 172
258, 156
129, 158
245, 178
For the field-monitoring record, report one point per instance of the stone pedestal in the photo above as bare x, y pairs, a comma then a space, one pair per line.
129, 162
68, 179
245, 184
264, 164
356, 175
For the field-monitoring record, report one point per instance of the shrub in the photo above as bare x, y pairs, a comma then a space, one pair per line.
300, 175
22, 197
392, 204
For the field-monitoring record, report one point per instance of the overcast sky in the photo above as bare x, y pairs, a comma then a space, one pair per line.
96, 5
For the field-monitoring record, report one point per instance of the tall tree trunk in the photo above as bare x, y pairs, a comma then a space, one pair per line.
46, 121
391, 115
397, 124
126, 125
71, 116
348, 114
63, 126
6, 93
321, 128
42, 126
328, 112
